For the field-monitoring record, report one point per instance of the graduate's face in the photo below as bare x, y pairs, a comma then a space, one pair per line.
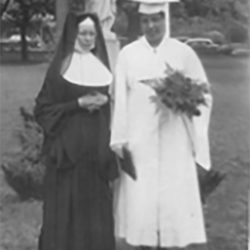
86, 37
153, 27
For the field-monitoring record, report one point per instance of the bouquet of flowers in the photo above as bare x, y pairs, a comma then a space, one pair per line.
178, 92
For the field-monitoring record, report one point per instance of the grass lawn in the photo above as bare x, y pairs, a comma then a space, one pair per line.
226, 211
230, 139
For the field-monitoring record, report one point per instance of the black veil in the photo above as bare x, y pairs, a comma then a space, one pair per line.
66, 43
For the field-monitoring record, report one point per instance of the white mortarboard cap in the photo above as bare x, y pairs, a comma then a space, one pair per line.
87, 22
152, 6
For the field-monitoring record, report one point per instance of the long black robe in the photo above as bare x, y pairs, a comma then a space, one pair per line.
79, 163
77, 197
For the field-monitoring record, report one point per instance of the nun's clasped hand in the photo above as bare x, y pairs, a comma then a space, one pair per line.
93, 101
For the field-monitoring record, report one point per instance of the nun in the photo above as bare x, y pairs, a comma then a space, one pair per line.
73, 110
160, 208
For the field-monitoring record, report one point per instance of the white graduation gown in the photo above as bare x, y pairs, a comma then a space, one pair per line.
163, 206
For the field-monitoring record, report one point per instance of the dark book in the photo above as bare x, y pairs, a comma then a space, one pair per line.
127, 164
208, 181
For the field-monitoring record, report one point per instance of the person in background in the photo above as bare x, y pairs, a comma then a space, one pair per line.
161, 205
73, 110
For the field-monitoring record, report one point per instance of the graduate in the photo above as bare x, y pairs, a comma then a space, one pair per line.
161, 205
73, 110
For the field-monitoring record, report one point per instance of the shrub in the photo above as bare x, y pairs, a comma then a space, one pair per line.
237, 33
24, 172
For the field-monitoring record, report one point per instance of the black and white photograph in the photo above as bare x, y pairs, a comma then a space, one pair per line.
125, 125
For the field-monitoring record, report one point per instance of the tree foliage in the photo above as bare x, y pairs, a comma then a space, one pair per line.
21, 12
226, 14
236, 9
3, 6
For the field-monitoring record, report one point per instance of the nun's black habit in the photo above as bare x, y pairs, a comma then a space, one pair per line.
77, 198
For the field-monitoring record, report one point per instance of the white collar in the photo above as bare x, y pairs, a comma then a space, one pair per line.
87, 70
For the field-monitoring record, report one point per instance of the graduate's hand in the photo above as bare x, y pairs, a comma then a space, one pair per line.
119, 149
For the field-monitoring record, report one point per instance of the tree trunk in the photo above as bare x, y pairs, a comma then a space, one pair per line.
24, 45
23, 28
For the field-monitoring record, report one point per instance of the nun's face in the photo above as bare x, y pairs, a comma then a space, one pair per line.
86, 36
153, 27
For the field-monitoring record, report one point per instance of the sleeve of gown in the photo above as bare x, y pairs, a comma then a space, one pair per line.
52, 115
119, 133
200, 127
